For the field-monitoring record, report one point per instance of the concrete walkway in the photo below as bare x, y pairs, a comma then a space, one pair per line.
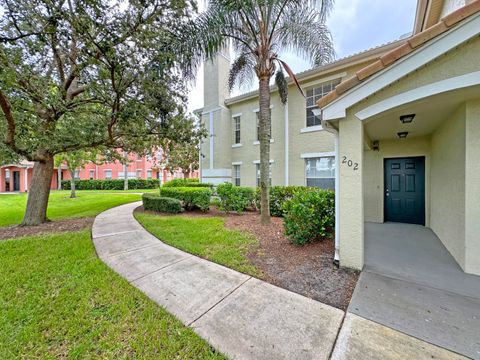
412, 284
241, 316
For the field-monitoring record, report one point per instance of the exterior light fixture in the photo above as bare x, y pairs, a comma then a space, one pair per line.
407, 119
403, 134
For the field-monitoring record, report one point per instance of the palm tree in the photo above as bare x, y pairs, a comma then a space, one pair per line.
258, 30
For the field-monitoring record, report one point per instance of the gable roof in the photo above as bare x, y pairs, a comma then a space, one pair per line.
401, 51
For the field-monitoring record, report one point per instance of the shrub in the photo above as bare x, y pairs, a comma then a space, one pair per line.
215, 201
186, 183
161, 204
191, 197
309, 215
235, 198
116, 184
279, 195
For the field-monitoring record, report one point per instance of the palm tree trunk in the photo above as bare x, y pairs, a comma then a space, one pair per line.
72, 184
36, 212
264, 134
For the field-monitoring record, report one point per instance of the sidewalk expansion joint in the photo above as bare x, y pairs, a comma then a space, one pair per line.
112, 234
130, 250
338, 334
159, 269
218, 302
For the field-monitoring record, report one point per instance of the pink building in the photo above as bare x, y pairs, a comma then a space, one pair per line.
17, 177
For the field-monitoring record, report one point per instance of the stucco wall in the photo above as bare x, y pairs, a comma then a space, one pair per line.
450, 6
298, 142
447, 184
351, 193
472, 188
374, 172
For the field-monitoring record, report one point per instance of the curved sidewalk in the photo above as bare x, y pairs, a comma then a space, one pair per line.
243, 317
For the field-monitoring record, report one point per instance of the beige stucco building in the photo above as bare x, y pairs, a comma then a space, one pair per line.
400, 132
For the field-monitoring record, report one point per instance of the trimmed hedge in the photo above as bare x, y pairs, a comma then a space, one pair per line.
116, 184
161, 204
186, 183
279, 195
309, 215
235, 198
191, 197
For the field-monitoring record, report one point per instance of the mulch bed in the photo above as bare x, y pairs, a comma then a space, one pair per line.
17, 231
307, 270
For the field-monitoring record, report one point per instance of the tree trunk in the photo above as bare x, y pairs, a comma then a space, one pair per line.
59, 177
264, 134
73, 195
36, 212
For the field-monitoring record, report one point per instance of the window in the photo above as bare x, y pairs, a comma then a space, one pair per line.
139, 174
320, 172
313, 95
108, 174
77, 175
236, 130
149, 174
236, 175
92, 174
258, 125
269, 175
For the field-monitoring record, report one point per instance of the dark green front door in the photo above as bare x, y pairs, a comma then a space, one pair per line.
405, 190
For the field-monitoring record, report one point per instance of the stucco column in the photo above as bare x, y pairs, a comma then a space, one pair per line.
472, 188
25, 180
2, 180
351, 192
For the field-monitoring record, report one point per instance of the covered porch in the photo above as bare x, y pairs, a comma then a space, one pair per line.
411, 283
409, 141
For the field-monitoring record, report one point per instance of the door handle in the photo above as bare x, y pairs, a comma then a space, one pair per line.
388, 192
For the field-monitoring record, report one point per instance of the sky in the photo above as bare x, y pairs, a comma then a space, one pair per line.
356, 25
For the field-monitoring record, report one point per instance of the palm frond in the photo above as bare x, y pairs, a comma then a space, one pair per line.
302, 32
241, 72
282, 86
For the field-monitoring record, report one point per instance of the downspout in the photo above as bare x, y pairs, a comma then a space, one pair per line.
328, 127
286, 145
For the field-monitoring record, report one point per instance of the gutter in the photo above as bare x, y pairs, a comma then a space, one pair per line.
331, 129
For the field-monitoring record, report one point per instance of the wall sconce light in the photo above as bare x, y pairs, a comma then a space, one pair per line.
376, 145
403, 134
407, 119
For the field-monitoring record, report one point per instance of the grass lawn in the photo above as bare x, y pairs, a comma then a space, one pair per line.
206, 237
60, 206
58, 300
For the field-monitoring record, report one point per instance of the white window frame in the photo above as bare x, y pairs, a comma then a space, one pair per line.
257, 172
313, 94
105, 172
323, 156
237, 121
149, 174
236, 175
91, 174
76, 175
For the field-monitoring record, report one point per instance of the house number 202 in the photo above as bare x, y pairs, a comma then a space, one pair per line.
349, 163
